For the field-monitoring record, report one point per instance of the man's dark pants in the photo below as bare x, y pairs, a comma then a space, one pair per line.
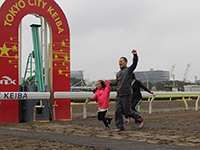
124, 106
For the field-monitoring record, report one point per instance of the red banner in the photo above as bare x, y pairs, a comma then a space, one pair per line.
11, 14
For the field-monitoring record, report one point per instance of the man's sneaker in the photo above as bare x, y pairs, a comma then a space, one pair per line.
117, 130
107, 128
141, 124
127, 121
138, 121
142, 118
110, 119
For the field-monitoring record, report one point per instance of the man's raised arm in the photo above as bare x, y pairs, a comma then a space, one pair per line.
135, 61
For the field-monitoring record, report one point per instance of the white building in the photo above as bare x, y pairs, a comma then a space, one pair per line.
191, 88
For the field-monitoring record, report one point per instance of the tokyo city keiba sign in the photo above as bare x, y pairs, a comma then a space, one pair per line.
11, 14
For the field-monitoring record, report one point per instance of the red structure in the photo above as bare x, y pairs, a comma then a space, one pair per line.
11, 14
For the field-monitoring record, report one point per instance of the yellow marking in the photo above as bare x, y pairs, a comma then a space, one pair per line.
14, 48
60, 71
4, 50
66, 58
56, 56
16, 57
63, 43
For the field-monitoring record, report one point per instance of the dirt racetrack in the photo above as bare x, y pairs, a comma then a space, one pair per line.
169, 126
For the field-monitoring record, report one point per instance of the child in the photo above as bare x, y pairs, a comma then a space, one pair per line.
136, 97
102, 97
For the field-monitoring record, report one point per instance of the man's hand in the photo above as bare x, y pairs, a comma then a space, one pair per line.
134, 51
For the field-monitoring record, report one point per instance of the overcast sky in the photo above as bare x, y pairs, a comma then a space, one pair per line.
164, 32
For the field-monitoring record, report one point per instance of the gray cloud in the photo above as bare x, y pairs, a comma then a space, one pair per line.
163, 32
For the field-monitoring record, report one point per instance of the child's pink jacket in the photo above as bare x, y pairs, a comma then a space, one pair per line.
102, 96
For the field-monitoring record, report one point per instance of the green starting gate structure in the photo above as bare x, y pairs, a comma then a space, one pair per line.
36, 54
33, 110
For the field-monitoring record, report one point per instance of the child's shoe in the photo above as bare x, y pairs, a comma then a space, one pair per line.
107, 128
117, 130
127, 121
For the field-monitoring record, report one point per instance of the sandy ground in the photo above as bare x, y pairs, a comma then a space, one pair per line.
169, 124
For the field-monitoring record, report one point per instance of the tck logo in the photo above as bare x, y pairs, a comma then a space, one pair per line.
7, 81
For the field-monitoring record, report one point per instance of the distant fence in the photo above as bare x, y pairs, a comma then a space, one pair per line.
174, 95
89, 95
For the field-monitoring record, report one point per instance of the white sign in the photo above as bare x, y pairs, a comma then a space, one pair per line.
7, 81
24, 95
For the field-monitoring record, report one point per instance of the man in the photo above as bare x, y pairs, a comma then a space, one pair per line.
124, 92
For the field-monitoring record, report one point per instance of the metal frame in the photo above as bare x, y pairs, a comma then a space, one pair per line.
44, 49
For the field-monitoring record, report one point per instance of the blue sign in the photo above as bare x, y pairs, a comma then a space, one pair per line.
15, 96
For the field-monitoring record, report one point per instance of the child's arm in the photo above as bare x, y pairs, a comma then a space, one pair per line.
108, 88
95, 98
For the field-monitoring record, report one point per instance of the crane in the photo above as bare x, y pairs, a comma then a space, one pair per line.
186, 71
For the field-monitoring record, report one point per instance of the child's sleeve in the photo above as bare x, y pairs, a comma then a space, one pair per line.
108, 88
95, 98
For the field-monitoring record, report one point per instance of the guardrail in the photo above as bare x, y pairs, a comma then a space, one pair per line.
175, 94
88, 95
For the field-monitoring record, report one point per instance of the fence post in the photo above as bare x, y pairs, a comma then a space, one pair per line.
85, 108
196, 103
150, 104
186, 105
71, 111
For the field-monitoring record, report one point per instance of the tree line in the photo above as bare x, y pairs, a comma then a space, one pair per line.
157, 86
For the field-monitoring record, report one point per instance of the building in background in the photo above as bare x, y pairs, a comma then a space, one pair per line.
152, 76
77, 74
171, 88
191, 88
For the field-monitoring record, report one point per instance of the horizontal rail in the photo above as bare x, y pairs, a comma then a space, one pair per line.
24, 95
175, 94
63, 95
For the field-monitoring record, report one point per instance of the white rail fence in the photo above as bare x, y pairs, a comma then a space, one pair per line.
173, 95
89, 95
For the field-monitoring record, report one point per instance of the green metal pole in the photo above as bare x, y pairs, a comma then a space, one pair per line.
38, 57
139, 108
186, 105
26, 69
31, 57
